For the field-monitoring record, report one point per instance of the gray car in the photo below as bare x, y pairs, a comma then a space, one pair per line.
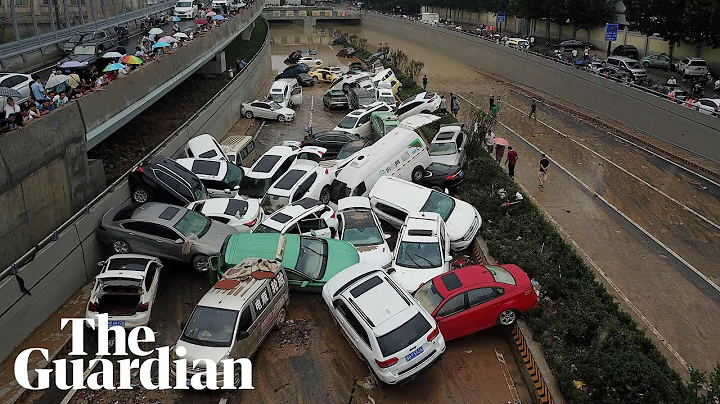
163, 230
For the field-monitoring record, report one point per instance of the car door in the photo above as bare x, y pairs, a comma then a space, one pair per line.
460, 144
153, 239
262, 110
296, 95
485, 306
363, 127
152, 280
352, 329
243, 347
453, 318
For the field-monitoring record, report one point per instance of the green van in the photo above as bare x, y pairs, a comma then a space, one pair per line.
383, 122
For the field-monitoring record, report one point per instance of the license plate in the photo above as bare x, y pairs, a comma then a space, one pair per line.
414, 354
116, 322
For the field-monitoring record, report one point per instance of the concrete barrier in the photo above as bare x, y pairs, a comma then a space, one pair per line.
667, 121
67, 263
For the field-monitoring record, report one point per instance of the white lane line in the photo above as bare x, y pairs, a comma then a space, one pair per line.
685, 207
312, 109
72, 392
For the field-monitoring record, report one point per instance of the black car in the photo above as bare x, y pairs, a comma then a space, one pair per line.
627, 51
350, 148
305, 80
359, 98
574, 44
346, 52
160, 179
440, 176
89, 53
333, 141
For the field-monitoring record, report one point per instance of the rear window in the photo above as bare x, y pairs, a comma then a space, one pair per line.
208, 154
266, 163
501, 275
206, 167
128, 264
236, 207
429, 96
289, 179
698, 63
403, 336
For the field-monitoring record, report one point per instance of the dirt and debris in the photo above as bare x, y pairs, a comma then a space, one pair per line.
295, 333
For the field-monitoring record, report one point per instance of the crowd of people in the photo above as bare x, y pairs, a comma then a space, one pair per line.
82, 81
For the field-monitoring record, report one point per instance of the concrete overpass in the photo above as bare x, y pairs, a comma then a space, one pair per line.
309, 16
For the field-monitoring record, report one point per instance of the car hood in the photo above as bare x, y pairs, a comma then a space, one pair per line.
286, 111
78, 58
341, 255
375, 254
202, 352
216, 235
410, 279
461, 219
449, 159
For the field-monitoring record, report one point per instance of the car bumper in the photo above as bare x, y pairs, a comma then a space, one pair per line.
391, 378
337, 105
136, 320
455, 182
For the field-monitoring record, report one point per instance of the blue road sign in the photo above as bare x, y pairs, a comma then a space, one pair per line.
501, 16
611, 31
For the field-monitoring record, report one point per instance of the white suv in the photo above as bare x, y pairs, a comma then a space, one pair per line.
422, 251
358, 122
305, 178
389, 329
692, 67
306, 216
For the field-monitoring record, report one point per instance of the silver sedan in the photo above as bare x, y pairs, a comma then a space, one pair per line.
165, 231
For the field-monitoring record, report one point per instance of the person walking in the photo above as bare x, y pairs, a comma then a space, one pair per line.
574, 54
455, 106
512, 158
425, 82
443, 105
544, 168
489, 141
499, 153
494, 111
533, 110
586, 53
492, 103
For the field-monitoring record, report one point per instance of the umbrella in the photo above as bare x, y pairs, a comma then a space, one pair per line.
113, 66
132, 60
200, 21
55, 80
167, 39
174, 19
155, 31
501, 142
181, 35
160, 45
10, 92
112, 55
218, 17
211, 14
71, 63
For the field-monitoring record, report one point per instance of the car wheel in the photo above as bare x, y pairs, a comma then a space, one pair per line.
507, 317
249, 115
141, 195
120, 246
201, 263
325, 195
281, 118
417, 174
280, 319
646, 65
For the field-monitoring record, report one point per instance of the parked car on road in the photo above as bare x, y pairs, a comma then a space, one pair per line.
352, 147
286, 92
358, 225
574, 44
625, 63
385, 94
305, 80
240, 150
160, 179
692, 67
661, 61
389, 330
425, 102
335, 99
307, 216
383, 122
442, 177
267, 110
629, 51
473, 298
448, 145
165, 231
83, 37
268, 169
311, 61
125, 290
359, 98
206, 147
346, 52
17, 81
708, 106
221, 179
186, 9
243, 214
333, 141
676, 92
89, 53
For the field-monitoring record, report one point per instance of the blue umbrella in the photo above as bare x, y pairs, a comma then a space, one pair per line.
175, 19
113, 66
218, 17
160, 45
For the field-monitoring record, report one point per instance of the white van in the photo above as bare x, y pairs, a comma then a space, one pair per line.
186, 9
285, 93
401, 153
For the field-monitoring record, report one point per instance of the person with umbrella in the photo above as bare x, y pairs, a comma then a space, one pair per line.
500, 145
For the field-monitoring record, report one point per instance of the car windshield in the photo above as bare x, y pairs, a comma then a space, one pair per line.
428, 296
633, 65
312, 257
270, 203
387, 99
442, 149
418, 255
234, 175
184, 4
366, 100
277, 97
439, 203
360, 228
348, 122
200, 192
193, 224
76, 38
254, 187
403, 336
501, 275
275, 105
210, 326
84, 50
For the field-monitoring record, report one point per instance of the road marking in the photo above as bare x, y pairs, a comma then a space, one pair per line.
72, 392
508, 378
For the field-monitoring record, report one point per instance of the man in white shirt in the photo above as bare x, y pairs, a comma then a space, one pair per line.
11, 107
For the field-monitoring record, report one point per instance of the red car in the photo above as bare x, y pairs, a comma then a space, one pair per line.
477, 297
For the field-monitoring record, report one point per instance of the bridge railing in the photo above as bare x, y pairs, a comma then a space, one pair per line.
286, 12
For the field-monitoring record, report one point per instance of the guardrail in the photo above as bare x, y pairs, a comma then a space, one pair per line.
16, 48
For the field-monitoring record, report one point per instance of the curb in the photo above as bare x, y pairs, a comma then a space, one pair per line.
532, 369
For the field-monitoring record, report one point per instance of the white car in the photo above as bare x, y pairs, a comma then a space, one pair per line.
306, 178
266, 170
221, 179
359, 226
709, 106
358, 121
386, 326
17, 81
385, 94
426, 103
349, 80
393, 199
267, 110
186, 9
336, 70
125, 290
692, 67
204, 146
448, 145
311, 61
243, 214
422, 251
307, 216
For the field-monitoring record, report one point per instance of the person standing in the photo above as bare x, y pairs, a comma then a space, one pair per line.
494, 111
11, 108
544, 167
443, 105
492, 102
586, 53
455, 106
499, 153
574, 54
489, 141
512, 158
533, 110
37, 89
425, 82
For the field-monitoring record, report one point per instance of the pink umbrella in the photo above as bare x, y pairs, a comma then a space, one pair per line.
168, 39
200, 21
500, 141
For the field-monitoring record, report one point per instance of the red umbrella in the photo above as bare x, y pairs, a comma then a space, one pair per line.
500, 141
200, 21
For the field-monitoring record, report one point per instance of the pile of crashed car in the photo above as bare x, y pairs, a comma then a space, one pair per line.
310, 217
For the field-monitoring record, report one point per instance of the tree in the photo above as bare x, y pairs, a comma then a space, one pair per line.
663, 17
588, 14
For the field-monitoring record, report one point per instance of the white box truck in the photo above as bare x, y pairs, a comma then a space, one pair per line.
430, 18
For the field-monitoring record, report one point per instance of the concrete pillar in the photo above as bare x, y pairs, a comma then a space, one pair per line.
216, 65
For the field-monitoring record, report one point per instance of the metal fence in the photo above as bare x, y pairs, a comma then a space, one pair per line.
27, 25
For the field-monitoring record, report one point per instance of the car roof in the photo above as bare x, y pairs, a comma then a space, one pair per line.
279, 85
463, 278
283, 152
158, 212
391, 188
293, 212
421, 227
233, 293
174, 166
447, 134
297, 173
224, 206
380, 301
353, 202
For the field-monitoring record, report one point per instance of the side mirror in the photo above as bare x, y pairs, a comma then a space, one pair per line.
241, 335
386, 236
179, 241
236, 188
438, 318
448, 258
304, 284
391, 270
101, 264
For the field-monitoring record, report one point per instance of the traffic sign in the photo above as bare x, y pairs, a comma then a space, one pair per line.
501, 16
611, 32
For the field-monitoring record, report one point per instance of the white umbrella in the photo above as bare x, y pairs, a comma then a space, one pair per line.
167, 39
55, 80
211, 14
181, 35
155, 31
112, 55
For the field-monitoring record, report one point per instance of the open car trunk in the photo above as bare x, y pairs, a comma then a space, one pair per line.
119, 297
